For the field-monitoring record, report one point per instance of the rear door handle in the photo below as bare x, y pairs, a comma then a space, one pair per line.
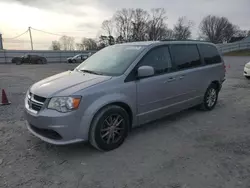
171, 79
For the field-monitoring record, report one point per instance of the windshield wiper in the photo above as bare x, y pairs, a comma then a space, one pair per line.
91, 72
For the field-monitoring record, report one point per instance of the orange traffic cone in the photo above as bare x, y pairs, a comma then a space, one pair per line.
4, 98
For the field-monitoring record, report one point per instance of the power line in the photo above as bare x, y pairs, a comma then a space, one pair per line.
24, 42
17, 35
46, 32
56, 33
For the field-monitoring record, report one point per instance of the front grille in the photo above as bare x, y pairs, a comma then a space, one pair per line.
40, 99
35, 102
48, 133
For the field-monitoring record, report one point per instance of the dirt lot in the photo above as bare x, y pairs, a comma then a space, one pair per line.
191, 149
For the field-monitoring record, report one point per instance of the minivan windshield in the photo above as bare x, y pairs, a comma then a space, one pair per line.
112, 61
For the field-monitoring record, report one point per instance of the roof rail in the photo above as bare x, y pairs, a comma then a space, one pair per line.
185, 40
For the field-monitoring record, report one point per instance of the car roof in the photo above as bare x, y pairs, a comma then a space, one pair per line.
148, 43
142, 43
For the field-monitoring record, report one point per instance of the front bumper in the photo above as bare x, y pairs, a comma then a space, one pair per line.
54, 127
246, 72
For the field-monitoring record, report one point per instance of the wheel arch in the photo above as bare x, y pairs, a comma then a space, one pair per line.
216, 83
123, 105
92, 111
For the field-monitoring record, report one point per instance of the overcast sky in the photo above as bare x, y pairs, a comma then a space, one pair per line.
83, 18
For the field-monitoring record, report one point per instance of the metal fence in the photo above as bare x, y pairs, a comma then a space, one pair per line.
51, 56
61, 56
230, 47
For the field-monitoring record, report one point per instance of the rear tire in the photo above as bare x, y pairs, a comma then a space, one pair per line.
109, 128
18, 62
210, 98
39, 61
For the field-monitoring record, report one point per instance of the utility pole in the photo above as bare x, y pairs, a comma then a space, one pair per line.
1, 42
31, 41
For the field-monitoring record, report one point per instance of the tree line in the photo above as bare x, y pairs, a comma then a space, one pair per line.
130, 25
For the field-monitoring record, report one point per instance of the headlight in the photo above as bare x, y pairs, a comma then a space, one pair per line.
247, 65
64, 104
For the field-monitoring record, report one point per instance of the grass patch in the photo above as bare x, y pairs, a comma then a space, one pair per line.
238, 53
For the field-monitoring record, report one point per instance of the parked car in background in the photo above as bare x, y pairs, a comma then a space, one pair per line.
78, 58
121, 87
247, 70
29, 59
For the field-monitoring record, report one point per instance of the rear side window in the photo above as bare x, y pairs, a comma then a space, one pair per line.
185, 56
210, 54
159, 59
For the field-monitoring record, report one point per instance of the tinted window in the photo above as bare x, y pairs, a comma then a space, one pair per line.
185, 56
210, 54
159, 59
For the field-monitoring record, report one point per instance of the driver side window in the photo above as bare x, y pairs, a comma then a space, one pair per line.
158, 58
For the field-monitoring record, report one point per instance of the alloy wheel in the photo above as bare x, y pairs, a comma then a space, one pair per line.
211, 97
112, 129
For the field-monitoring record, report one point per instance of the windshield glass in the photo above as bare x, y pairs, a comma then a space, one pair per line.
76, 56
112, 60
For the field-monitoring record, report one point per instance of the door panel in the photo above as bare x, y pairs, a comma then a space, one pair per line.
190, 70
164, 95
152, 95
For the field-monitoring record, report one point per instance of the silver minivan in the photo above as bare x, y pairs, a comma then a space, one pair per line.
123, 86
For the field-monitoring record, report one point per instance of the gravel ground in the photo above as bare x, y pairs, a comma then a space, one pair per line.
191, 149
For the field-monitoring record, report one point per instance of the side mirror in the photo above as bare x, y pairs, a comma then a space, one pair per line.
145, 71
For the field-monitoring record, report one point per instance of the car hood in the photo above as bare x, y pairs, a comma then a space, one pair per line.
66, 83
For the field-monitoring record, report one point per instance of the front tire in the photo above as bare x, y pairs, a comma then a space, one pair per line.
109, 128
210, 98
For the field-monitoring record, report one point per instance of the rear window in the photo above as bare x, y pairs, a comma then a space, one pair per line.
185, 56
210, 54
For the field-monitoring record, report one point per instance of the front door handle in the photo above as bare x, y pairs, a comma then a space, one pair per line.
171, 79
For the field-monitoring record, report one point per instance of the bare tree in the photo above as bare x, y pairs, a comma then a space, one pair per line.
124, 24
108, 27
139, 24
136, 25
106, 40
119, 39
230, 32
217, 29
182, 29
157, 24
87, 44
67, 43
80, 46
55, 45
168, 34
241, 33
